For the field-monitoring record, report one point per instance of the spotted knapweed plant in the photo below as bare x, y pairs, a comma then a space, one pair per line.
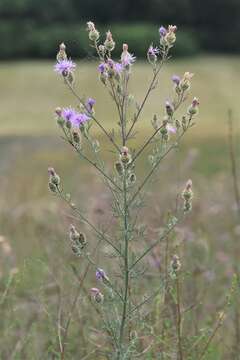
122, 301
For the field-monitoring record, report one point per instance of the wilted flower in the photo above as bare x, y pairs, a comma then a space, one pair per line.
64, 67
127, 59
152, 54
185, 83
97, 295
176, 79
167, 36
101, 275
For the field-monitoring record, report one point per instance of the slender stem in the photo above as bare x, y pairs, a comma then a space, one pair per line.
126, 267
179, 320
93, 117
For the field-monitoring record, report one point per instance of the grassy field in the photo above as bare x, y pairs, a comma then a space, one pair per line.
34, 224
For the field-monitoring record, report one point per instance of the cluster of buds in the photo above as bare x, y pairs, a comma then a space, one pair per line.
175, 264
193, 108
97, 295
101, 275
77, 240
93, 34
109, 43
187, 196
110, 70
152, 54
125, 156
54, 180
167, 36
184, 84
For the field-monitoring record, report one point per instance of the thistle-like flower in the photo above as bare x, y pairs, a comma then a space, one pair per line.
127, 59
152, 54
109, 42
64, 67
101, 275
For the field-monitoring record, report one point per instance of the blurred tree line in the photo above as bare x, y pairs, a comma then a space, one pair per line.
33, 28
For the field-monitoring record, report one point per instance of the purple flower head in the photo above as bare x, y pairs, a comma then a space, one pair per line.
162, 31
176, 79
102, 68
101, 275
80, 119
171, 129
68, 114
63, 67
90, 103
110, 63
118, 68
153, 51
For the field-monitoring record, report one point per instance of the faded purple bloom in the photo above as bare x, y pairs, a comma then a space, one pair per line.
80, 119
90, 103
94, 290
102, 68
63, 67
171, 129
101, 275
162, 31
195, 102
97, 295
176, 79
51, 171
68, 114
153, 51
128, 59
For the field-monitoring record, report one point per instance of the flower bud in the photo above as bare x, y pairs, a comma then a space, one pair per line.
97, 295
78, 240
193, 108
52, 187
169, 108
93, 33
125, 157
102, 50
61, 55
155, 122
185, 83
109, 43
53, 177
101, 275
175, 264
76, 137
187, 196
132, 178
